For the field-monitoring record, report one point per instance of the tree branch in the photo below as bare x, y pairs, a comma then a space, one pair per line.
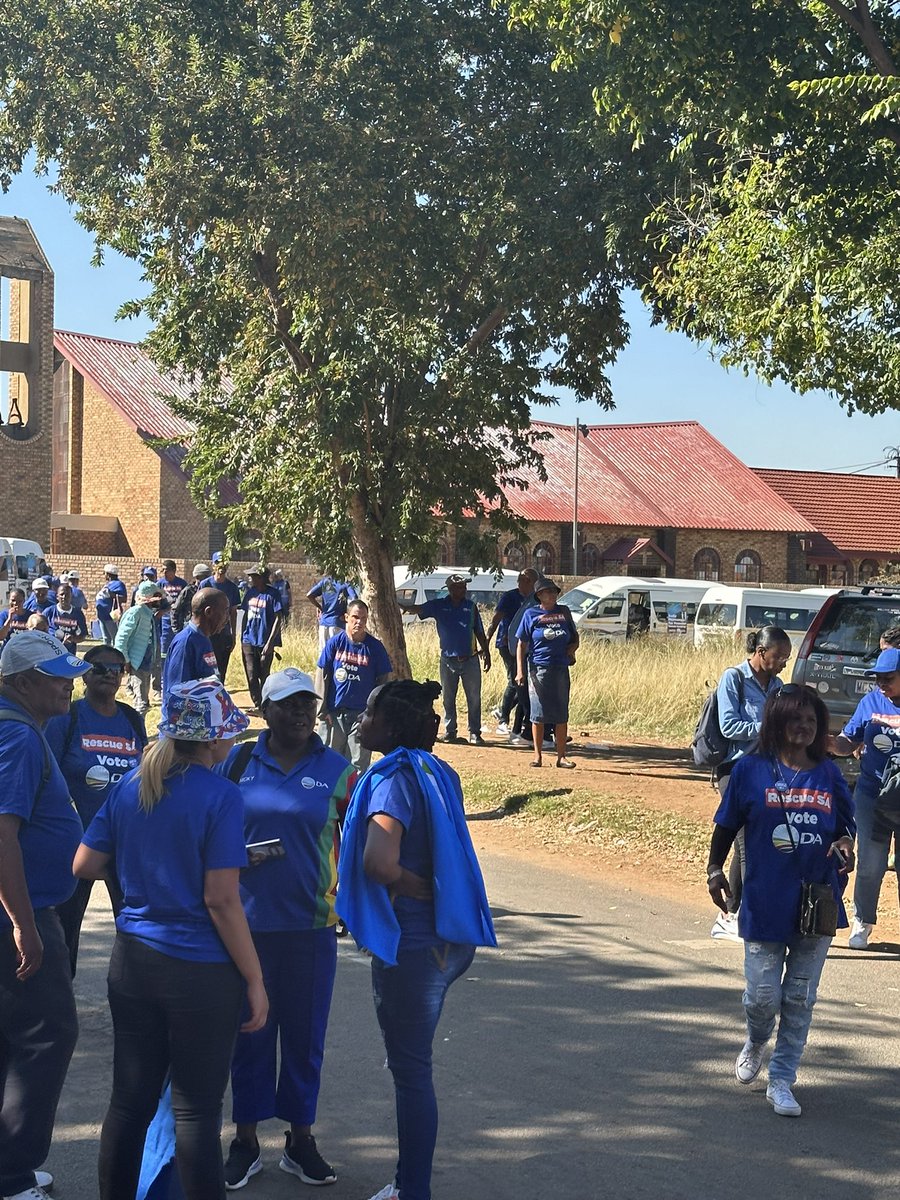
265, 267
859, 19
486, 328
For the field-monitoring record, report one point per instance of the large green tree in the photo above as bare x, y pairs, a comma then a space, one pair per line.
373, 236
769, 132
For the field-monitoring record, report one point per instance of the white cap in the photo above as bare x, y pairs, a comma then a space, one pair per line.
201, 570
110, 569
38, 584
43, 652
287, 683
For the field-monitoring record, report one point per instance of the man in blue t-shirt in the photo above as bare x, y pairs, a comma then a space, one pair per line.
331, 597
223, 641
39, 834
79, 600
171, 585
111, 602
191, 654
261, 632
353, 663
508, 606
41, 597
461, 634
66, 621
14, 618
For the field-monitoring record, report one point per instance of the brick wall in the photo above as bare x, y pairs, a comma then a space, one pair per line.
184, 532
772, 549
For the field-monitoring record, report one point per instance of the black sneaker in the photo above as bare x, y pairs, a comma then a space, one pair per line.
244, 1160
301, 1158
475, 739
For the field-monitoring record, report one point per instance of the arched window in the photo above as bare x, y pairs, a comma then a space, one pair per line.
590, 559
443, 551
707, 564
747, 567
868, 569
514, 557
543, 557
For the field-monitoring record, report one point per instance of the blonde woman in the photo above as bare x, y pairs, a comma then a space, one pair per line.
183, 959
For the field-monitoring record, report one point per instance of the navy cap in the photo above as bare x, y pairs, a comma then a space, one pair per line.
887, 662
218, 556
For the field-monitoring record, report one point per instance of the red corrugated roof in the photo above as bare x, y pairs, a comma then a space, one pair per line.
666, 474
858, 513
124, 372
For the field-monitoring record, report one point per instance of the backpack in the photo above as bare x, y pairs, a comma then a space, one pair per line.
709, 745
243, 756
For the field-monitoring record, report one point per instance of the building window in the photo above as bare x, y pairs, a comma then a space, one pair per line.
514, 557
707, 564
590, 559
443, 551
868, 569
543, 558
747, 567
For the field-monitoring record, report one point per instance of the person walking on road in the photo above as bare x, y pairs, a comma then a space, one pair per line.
462, 640
261, 632
39, 833
741, 695
223, 641
183, 962
797, 814
353, 663
411, 892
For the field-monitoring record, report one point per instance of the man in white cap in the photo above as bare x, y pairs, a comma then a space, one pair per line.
79, 600
39, 834
40, 599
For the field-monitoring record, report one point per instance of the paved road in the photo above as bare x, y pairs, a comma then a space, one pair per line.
590, 1057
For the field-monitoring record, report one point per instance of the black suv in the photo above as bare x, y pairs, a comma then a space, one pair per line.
841, 644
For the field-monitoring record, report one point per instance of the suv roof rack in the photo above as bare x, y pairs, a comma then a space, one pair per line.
883, 589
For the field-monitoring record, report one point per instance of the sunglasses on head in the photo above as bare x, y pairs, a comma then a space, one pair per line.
102, 669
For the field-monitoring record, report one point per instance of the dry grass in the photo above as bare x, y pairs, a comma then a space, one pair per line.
651, 690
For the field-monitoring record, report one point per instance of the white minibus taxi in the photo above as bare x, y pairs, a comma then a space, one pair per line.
21, 561
619, 607
484, 589
732, 611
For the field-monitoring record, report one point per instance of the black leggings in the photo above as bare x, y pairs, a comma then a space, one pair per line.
169, 1015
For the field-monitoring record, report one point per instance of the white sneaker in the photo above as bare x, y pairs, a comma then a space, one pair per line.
32, 1193
387, 1193
502, 727
749, 1061
516, 739
859, 935
780, 1096
725, 927
44, 1179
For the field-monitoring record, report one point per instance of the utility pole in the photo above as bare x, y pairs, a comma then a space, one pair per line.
892, 455
583, 430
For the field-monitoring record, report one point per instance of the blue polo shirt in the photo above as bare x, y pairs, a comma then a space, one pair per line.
171, 589
228, 586
261, 606
94, 752
355, 667
162, 857
457, 625
50, 828
302, 808
335, 595
548, 634
191, 656
788, 835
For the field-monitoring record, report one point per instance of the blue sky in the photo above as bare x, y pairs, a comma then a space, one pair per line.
660, 376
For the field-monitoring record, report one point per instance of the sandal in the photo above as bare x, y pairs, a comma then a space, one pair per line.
539, 763
565, 764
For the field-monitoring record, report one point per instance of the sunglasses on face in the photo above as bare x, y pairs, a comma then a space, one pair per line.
104, 669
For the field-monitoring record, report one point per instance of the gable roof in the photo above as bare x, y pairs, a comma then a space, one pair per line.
664, 474
858, 513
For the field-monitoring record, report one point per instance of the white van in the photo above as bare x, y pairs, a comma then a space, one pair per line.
484, 589
732, 611
21, 561
619, 607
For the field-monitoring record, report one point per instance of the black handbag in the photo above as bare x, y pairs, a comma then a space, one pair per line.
818, 916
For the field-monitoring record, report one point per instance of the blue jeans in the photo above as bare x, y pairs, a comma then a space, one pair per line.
469, 671
408, 1003
871, 857
787, 988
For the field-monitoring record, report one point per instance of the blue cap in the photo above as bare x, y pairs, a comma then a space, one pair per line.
218, 556
887, 662
149, 572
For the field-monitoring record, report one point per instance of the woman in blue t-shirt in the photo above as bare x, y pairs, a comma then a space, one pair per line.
797, 814
388, 852
183, 959
875, 726
98, 741
547, 635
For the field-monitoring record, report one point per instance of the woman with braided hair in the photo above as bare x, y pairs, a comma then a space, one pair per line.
411, 892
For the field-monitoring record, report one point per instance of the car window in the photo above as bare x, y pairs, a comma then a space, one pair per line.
578, 600
717, 614
783, 618
406, 595
853, 625
610, 607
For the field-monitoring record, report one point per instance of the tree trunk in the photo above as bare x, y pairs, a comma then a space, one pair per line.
376, 564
